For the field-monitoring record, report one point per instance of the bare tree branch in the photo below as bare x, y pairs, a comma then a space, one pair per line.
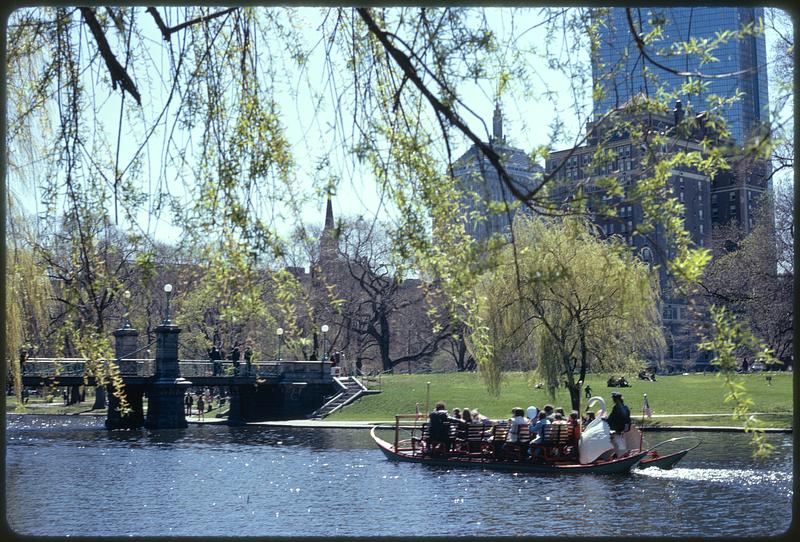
118, 73
167, 31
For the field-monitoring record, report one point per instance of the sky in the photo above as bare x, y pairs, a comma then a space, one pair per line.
526, 122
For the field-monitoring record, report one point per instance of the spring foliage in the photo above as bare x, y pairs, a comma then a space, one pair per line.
569, 302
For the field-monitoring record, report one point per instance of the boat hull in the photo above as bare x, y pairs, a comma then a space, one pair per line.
665, 462
617, 466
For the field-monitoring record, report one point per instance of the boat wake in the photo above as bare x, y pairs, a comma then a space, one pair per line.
740, 477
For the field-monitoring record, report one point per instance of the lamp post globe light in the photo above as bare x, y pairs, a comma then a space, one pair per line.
126, 296
279, 332
325, 329
167, 315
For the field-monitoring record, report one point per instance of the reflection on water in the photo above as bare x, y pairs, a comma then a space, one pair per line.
218, 481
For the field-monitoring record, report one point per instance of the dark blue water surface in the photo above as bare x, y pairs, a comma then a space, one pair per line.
69, 476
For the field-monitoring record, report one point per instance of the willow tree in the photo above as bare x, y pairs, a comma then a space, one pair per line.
28, 296
572, 302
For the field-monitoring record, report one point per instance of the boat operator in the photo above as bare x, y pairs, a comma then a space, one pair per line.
619, 421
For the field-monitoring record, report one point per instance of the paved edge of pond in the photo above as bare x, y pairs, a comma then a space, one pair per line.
390, 425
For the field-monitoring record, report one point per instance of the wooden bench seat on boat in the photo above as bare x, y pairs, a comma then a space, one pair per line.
557, 443
474, 441
423, 443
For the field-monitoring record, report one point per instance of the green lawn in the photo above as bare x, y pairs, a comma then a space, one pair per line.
670, 395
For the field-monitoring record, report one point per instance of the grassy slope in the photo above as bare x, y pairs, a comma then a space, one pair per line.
670, 395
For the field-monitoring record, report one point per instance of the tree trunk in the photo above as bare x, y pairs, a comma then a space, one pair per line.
99, 398
74, 394
384, 344
575, 397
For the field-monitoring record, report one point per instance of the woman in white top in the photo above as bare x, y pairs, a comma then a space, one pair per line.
514, 425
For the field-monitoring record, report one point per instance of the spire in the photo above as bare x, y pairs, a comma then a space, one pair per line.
329, 214
497, 123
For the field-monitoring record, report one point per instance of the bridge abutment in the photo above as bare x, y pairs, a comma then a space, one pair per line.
165, 392
125, 344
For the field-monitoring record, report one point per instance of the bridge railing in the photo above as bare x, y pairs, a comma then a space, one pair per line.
51, 367
194, 367
76, 367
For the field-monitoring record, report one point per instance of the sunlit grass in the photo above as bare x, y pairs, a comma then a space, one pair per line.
676, 395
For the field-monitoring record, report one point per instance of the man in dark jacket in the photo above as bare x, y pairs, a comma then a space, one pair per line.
619, 421
438, 430
620, 418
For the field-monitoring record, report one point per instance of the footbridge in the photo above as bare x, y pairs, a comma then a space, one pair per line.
259, 391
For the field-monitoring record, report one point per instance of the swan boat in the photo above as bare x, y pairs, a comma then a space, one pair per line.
595, 452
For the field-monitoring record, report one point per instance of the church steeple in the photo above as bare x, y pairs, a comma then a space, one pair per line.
497, 124
327, 240
329, 214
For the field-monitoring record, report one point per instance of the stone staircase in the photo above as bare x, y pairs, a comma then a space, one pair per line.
350, 389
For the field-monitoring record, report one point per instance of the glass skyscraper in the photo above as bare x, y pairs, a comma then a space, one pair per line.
618, 65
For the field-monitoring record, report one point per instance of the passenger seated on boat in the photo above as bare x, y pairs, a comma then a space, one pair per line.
574, 422
477, 417
439, 429
548, 410
589, 418
558, 418
537, 429
514, 423
560, 410
517, 425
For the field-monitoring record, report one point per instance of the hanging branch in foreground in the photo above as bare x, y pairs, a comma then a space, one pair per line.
167, 31
118, 73
410, 72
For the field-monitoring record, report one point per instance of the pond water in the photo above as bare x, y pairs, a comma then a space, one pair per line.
69, 476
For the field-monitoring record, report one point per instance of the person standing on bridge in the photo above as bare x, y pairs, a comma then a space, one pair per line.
215, 357
188, 401
200, 407
248, 360
235, 357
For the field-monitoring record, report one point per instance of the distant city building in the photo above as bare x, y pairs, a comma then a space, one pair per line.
479, 178
618, 64
731, 195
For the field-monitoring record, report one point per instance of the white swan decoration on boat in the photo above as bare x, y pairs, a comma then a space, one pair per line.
596, 437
